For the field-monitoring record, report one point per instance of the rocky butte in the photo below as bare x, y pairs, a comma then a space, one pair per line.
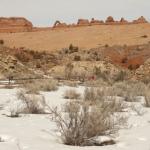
15, 24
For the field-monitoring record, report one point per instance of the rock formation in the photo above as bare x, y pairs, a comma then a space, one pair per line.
110, 19
58, 24
14, 24
83, 22
96, 22
18, 24
140, 20
123, 21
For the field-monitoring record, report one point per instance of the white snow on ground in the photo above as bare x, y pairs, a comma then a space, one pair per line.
37, 132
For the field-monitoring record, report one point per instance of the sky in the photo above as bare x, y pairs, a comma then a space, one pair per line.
46, 12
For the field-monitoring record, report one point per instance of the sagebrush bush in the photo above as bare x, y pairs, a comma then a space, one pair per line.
48, 85
82, 121
95, 95
120, 76
128, 90
34, 104
71, 94
41, 85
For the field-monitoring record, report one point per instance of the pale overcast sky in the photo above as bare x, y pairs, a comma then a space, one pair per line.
45, 12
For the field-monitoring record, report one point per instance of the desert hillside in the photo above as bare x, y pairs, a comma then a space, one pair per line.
83, 37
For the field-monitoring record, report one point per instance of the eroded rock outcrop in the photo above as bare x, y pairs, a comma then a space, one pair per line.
96, 22
140, 20
83, 22
58, 24
110, 19
14, 24
123, 21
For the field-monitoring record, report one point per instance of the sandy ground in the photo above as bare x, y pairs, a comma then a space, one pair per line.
84, 37
37, 132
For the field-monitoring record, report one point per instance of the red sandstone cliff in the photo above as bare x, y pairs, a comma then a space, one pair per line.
15, 24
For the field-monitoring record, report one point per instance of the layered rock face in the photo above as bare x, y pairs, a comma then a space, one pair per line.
14, 24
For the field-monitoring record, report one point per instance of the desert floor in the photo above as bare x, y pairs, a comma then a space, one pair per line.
84, 37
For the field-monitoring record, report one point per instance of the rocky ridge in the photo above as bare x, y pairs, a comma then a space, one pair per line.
20, 24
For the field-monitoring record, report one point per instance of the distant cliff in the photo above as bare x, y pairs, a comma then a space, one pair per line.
109, 21
19, 24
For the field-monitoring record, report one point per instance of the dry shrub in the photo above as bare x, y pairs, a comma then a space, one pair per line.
48, 85
100, 74
146, 80
121, 76
1, 140
71, 83
71, 94
68, 70
31, 88
1, 42
96, 83
147, 98
128, 90
41, 85
34, 104
82, 121
144, 36
90, 94
95, 95
22, 56
14, 113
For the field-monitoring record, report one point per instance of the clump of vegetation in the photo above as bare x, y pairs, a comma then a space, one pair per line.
71, 94
121, 76
77, 58
81, 120
1, 42
22, 56
144, 36
99, 74
68, 70
1, 140
133, 67
147, 98
73, 49
34, 104
41, 85
106, 45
